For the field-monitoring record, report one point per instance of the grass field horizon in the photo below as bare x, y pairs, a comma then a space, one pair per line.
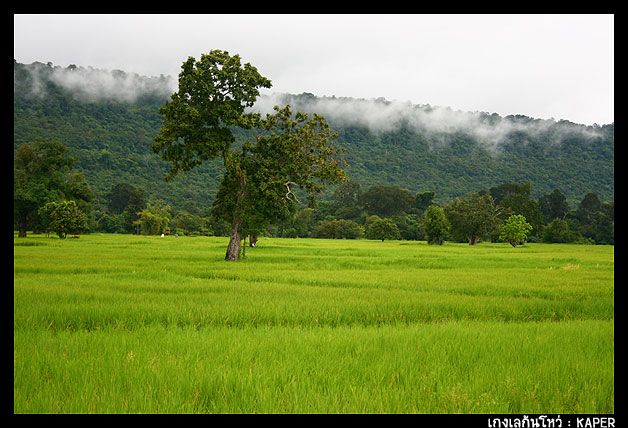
143, 324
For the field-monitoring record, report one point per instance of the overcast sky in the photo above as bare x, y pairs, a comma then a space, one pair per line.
543, 66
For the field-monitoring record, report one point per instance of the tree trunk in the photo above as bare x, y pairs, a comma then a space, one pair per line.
473, 240
233, 249
22, 226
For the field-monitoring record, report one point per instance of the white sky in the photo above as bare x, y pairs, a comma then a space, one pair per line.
543, 66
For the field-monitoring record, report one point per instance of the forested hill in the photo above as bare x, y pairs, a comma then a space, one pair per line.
108, 120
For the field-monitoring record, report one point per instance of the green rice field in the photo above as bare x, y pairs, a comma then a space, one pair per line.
143, 324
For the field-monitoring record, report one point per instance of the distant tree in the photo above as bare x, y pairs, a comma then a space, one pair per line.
423, 200
347, 194
326, 230
127, 200
522, 204
584, 217
557, 231
77, 189
508, 189
471, 218
154, 219
409, 226
386, 201
346, 201
554, 206
39, 171
63, 217
348, 229
339, 229
383, 228
436, 225
515, 230
589, 205
122, 195
302, 222
603, 224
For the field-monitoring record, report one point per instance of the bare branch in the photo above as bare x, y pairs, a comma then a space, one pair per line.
290, 194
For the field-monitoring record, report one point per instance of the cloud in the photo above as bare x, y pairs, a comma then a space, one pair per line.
380, 115
93, 85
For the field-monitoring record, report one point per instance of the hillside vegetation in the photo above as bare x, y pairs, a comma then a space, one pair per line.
108, 120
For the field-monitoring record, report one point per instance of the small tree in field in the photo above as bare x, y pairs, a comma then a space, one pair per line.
436, 225
63, 217
383, 228
471, 218
515, 230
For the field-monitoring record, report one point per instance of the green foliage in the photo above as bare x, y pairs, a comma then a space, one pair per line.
515, 230
553, 206
436, 225
40, 175
522, 204
258, 184
558, 232
339, 229
383, 228
63, 218
154, 219
472, 218
212, 95
423, 200
387, 200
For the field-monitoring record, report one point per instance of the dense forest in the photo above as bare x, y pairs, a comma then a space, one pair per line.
411, 153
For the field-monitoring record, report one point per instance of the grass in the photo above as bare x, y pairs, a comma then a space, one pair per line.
122, 323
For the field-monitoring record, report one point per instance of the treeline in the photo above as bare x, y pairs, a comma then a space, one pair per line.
384, 212
50, 196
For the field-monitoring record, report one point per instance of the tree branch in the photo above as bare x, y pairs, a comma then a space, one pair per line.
290, 194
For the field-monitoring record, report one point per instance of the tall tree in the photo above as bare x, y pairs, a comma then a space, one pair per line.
260, 179
260, 183
508, 189
212, 96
